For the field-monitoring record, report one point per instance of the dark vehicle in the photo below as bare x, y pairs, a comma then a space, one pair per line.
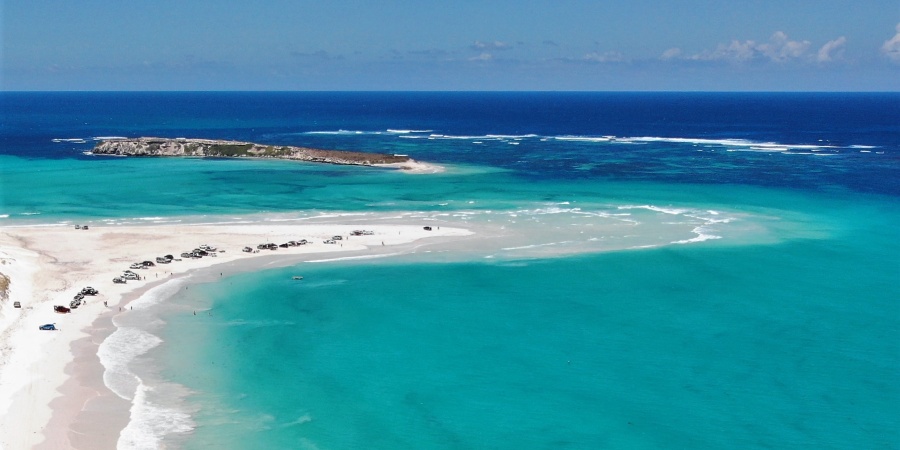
17, 304
89, 291
284, 245
148, 264
48, 326
426, 228
119, 280
61, 309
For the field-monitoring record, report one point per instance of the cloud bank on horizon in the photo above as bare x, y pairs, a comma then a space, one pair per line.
502, 45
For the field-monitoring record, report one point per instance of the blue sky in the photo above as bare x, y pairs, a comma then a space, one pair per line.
784, 45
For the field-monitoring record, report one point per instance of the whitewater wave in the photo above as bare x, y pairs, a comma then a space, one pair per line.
150, 422
125, 344
344, 132
108, 138
392, 131
70, 140
525, 247
733, 144
351, 258
701, 235
674, 211
584, 138
116, 354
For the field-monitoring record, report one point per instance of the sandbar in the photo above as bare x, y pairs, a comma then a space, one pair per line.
51, 389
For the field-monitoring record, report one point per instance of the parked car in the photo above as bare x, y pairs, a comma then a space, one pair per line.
48, 326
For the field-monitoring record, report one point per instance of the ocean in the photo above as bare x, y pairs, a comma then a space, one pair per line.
651, 270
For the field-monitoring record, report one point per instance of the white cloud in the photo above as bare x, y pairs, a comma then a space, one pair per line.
779, 49
735, 51
496, 45
670, 54
482, 57
832, 50
604, 57
891, 47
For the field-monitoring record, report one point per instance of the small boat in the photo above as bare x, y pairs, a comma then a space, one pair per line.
296, 277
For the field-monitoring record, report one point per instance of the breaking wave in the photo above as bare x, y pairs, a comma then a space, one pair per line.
149, 422
730, 144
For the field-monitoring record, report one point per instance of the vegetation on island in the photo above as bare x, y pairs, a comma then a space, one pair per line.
229, 150
236, 149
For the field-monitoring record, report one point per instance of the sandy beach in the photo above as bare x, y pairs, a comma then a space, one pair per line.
51, 387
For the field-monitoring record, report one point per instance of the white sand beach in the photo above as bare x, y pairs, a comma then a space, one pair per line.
49, 265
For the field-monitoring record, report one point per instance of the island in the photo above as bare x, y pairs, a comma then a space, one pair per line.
211, 148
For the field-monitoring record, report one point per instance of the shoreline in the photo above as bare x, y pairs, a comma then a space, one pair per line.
50, 378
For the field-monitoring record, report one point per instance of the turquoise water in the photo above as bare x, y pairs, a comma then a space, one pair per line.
785, 345
723, 273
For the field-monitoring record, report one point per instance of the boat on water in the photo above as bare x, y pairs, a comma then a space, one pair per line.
296, 277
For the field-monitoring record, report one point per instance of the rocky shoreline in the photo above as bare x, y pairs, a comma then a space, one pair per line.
150, 146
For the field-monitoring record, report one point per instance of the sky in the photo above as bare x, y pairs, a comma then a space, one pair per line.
543, 45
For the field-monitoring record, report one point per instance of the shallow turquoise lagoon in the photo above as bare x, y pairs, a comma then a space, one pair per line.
781, 345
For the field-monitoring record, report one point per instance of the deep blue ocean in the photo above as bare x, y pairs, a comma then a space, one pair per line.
667, 270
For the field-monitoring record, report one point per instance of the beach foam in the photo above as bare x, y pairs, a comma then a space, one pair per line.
151, 422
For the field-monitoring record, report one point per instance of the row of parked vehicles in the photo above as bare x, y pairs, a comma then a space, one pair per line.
199, 252
77, 301
127, 275
273, 246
